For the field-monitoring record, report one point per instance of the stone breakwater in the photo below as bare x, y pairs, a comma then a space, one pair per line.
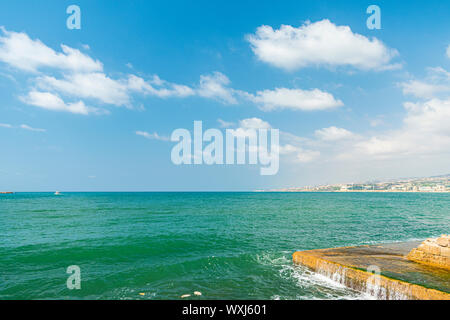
433, 251
399, 278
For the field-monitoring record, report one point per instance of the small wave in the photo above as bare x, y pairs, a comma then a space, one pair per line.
375, 242
320, 286
310, 285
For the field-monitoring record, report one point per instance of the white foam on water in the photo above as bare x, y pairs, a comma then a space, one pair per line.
329, 286
375, 242
317, 286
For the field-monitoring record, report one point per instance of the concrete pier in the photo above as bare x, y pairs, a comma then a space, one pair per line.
399, 278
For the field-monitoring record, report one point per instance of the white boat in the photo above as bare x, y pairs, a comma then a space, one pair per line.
57, 193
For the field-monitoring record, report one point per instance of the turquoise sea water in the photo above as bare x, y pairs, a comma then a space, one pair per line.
225, 245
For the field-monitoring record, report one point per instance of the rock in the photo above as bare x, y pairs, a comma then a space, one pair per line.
445, 252
432, 249
435, 252
443, 241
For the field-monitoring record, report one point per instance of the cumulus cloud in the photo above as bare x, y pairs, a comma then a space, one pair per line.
215, 86
50, 101
333, 134
81, 77
421, 89
21, 52
425, 131
436, 82
319, 44
95, 86
299, 154
290, 146
103, 89
254, 123
158, 87
152, 136
294, 99
99, 87
76, 77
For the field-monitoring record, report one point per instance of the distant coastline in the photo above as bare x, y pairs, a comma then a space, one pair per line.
437, 184
348, 191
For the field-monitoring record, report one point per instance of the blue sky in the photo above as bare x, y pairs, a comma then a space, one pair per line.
352, 104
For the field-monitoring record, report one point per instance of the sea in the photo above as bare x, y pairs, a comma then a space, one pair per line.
222, 245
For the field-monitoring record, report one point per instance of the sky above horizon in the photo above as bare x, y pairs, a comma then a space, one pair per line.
93, 109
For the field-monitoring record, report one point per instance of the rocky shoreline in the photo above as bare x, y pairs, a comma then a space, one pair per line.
433, 251
403, 271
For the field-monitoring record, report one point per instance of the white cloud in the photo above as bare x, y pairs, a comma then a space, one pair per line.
305, 156
432, 116
248, 127
27, 127
22, 126
333, 134
425, 131
377, 122
50, 101
158, 87
77, 76
82, 76
225, 124
436, 82
422, 138
254, 123
152, 136
319, 43
448, 51
295, 99
421, 89
21, 52
102, 88
299, 154
291, 151
215, 86
88, 86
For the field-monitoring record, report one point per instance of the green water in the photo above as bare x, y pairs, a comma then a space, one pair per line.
225, 245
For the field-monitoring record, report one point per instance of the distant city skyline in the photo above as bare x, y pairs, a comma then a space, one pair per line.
422, 184
91, 107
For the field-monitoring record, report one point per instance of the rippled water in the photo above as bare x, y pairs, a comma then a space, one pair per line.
225, 245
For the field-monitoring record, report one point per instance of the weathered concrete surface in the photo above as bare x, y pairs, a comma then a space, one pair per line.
399, 277
433, 251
